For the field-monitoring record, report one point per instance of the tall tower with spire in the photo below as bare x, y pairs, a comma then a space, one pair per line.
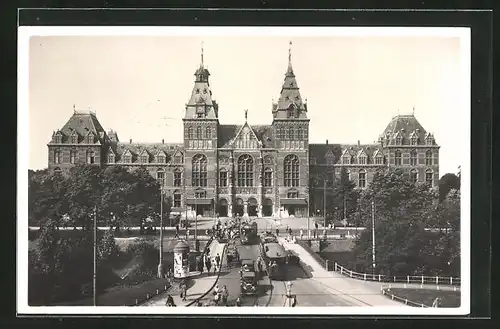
291, 134
201, 124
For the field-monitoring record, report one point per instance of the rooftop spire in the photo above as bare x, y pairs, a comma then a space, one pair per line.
202, 53
290, 54
246, 115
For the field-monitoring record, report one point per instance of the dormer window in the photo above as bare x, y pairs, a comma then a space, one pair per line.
379, 159
58, 139
429, 140
399, 140
362, 159
144, 158
414, 140
178, 159
74, 139
346, 159
90, 139
161, 158
111, 158
330, 159
127, 158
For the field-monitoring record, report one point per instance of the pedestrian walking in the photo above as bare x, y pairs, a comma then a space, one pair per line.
183, 291
301, 234
217, 262
187, 233
176, 230
225, 295
277, 232
316, 225
170, 301
208, 263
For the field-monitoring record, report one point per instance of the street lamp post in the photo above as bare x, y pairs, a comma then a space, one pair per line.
160, 263
95, 257
373, 236
324, 203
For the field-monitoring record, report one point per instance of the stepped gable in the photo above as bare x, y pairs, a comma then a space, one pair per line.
227, 133
151, 148
82, 123
404, 126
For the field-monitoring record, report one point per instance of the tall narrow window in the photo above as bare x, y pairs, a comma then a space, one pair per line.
397, 158
191, 133
198, 133
111, 158
245, 170
379, 159
362, 159
208, 133
414, 140
74, 139
161, 158
291, 133
72, 156
428, 158
268, 177
346, 159
145, 158
199, 174
127, 158
362, 179
399, 140
177, 199
160, 176
177, 178
429, 177
413, 158
90, 139
223, 178
90, 157
413, 176
58, 139
300, 134
57, 156
291, 170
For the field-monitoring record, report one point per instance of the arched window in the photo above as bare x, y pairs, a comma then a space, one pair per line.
57, 156
429, 177
178, 177
300, 134
198, 133
397, 158
90, 157
362, 179
191, 133
291, 170
428, 158
413, 176
72, 156
291, 133
413, 158
177, 198
199, 174
268, 177
245, 170
208, 133
160, 176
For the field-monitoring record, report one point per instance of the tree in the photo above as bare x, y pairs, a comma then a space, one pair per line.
402, 212
345, 195
446, 183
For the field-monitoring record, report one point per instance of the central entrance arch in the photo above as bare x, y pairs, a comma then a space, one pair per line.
222, 208
252, 207
267, 207
238, 207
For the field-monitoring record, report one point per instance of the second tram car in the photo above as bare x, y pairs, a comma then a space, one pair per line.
248, 233
276, 258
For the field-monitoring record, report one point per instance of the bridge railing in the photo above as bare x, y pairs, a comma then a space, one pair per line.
416, 279
386, 291
314, 255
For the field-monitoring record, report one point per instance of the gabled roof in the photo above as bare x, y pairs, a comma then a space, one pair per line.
246, 129
320, 151
227, 133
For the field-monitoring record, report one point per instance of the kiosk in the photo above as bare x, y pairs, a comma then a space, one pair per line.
181, 259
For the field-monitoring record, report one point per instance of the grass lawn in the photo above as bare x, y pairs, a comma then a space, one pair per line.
426, 297
124, 294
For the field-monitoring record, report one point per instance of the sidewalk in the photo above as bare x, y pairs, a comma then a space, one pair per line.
359, 292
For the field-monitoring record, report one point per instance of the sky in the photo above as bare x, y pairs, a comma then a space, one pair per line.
139, 85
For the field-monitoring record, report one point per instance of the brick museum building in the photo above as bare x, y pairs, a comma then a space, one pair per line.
259, 170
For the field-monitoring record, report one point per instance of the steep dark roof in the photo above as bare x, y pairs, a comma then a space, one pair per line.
319, 151
82, 123
151, 148
405, 125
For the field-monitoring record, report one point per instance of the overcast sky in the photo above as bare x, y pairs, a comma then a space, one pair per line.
354, 85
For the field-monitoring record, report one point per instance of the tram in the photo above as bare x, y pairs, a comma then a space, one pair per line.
248, 233
276, 258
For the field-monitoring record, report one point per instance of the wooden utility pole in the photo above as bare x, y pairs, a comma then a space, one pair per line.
160, 263
95, 257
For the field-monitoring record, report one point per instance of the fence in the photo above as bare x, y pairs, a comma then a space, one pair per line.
418, 279
316, 257
386, 292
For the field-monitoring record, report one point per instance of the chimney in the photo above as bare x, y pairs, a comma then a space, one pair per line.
163, 141
130, 141
327, 142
